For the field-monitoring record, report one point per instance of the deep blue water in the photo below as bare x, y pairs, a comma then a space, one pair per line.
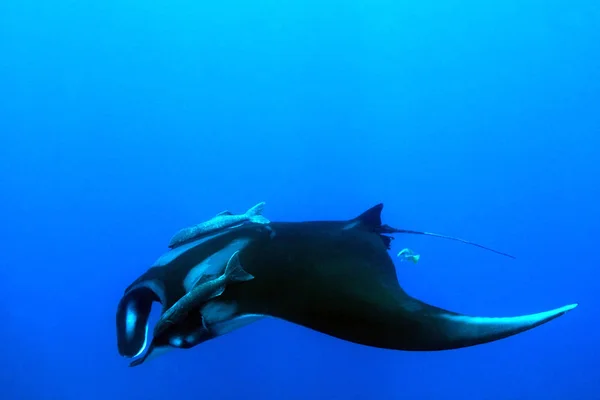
123, 121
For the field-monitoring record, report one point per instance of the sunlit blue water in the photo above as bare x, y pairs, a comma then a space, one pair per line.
123, 121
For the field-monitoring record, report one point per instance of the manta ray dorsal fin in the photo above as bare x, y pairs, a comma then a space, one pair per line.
370, 219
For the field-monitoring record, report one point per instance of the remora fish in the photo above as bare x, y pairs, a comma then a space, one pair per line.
203, 291
220, 221
334, 277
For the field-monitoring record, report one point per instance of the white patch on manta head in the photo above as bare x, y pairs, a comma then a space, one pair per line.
130, 321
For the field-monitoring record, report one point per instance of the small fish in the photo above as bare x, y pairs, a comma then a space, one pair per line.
409, 255
203, 290
223, 220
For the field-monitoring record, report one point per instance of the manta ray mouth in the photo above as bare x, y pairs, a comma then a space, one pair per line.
133, 313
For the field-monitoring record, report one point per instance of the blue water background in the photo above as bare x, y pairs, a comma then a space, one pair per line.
123, 121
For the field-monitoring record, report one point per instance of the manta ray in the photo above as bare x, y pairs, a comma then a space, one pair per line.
334, 277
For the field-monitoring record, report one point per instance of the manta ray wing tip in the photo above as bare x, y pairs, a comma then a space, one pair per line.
566, 309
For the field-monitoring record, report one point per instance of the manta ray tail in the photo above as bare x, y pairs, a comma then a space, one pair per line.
437, 329
372, 219
389, 229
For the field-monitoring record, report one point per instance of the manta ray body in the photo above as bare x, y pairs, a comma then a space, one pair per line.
335, 277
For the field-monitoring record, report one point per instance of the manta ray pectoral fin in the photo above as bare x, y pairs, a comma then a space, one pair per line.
443, 330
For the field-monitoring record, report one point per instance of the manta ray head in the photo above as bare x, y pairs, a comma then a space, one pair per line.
133, 321
172, 275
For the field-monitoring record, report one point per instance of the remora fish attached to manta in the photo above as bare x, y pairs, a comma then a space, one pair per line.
203, 291
335, 277
220, 221
165, 330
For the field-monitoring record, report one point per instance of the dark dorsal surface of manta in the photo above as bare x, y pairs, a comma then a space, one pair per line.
335, 277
